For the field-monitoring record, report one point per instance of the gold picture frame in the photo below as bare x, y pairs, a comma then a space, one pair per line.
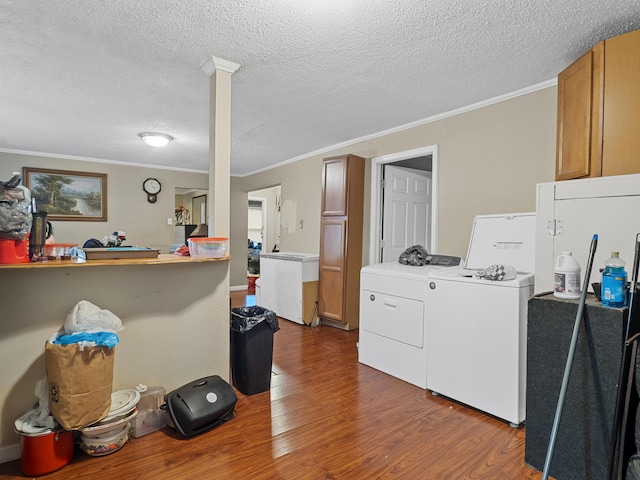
68, 195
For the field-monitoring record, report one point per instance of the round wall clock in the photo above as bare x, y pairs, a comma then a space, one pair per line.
152, 187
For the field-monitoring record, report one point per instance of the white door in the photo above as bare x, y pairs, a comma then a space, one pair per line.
407, 198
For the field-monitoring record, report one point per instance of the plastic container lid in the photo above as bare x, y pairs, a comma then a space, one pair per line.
209, 239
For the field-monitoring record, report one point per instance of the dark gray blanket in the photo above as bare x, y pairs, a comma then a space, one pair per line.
416, 256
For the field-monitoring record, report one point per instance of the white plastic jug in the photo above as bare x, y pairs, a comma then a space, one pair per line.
566, 273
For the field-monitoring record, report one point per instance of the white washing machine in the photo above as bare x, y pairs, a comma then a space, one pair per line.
477, 342
392, 317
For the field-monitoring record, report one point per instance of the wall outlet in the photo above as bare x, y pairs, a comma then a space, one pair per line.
169, 221
300, 224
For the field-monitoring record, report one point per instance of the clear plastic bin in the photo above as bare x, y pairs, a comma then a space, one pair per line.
208, 247
150, 417
147, 422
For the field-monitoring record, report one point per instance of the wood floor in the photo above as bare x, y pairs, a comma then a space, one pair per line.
326, 417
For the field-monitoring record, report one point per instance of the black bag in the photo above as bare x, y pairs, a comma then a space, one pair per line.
200, 405
633, 468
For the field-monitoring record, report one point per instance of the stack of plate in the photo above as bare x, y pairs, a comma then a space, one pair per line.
112, 432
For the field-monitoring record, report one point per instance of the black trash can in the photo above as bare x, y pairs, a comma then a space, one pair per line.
251, 348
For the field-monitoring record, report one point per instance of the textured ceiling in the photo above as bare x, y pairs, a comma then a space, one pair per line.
81, 78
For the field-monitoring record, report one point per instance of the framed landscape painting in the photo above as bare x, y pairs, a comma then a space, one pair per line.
68, 195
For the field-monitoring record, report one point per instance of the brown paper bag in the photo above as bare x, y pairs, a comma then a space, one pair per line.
80, 383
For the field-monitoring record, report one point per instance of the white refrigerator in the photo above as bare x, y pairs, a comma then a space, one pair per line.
476, 340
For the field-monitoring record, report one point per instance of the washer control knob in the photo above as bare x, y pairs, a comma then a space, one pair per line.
372, 298
432, 285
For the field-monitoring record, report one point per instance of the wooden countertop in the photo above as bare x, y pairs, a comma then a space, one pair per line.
162, 259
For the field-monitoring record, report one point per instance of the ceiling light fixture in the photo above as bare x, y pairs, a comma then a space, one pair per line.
154, 139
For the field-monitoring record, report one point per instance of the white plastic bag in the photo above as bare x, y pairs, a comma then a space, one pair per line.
87, 316
38, 419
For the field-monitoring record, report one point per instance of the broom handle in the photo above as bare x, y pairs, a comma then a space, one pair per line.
567, 368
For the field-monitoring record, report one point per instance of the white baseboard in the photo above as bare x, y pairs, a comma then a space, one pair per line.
10, 453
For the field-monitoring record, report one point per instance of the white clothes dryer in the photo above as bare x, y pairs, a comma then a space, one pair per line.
392, 317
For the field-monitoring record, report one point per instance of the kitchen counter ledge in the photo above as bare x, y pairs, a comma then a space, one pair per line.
162, 259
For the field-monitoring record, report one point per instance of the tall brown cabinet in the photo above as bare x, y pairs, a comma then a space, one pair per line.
341, 241
599, 111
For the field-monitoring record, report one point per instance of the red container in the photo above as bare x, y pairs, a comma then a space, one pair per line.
251, 284
45, 453
14, 251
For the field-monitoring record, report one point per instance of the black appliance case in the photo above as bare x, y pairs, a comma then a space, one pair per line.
200, 405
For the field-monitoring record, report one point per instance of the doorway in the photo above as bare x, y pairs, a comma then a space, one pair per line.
256, 222
263, 224
190, 213
199, 209
398, 222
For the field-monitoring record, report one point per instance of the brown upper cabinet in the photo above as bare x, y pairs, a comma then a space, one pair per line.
599, 111
335, 191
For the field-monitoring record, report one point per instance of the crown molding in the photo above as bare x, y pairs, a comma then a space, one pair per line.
475, 106
214, 63
99, 160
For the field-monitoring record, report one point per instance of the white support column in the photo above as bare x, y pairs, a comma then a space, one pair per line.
218, 200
